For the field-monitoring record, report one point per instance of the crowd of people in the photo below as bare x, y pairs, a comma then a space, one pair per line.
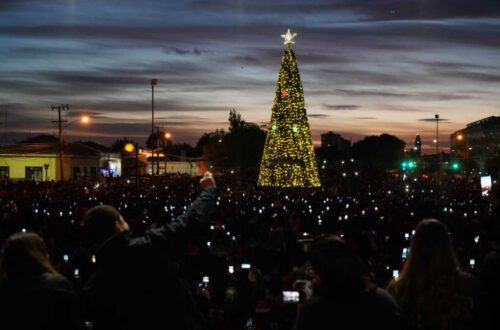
225, 254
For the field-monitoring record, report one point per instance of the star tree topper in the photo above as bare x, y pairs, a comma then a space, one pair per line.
289, 38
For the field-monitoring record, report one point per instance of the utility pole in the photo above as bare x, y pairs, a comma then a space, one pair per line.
153, 83
439, 157
60, 121
437, 133
157, 150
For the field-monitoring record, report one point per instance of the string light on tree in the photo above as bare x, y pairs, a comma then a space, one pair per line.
289, 159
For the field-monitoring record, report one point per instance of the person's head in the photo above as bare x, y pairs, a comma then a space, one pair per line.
431, 251
102, 222
336, 267
24, 255
431, 286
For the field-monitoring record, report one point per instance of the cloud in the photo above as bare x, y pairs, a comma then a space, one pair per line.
380, 9
365, 118
434, 119
343, 107
370, 93
317, 115
179, 51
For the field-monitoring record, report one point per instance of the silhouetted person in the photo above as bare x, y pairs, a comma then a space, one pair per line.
136, 283
432, 290
342, 298
32, 294
490, 269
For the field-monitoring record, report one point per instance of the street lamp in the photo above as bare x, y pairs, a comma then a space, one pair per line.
131, 147
167, 137
153, 83
436, 116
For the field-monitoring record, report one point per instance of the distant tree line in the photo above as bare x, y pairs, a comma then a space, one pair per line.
240, 147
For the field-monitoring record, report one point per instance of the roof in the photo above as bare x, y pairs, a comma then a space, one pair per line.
52, 148
42, 138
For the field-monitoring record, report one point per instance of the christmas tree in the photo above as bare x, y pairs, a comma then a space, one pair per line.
289, 159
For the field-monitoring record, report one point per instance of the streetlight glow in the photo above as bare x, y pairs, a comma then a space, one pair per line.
129, 147
167, 135
85, 119
460, 137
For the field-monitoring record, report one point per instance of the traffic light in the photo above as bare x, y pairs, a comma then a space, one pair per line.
409, 164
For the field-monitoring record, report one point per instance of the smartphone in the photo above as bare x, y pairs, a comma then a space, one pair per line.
206, 279
245, 266
230, 270
485, 185
472, 263
291, 297
405, 253
65, 257
395, 273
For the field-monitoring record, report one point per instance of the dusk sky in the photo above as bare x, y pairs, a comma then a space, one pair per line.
367, 66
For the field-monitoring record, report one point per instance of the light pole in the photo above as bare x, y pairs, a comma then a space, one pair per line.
437, 133
131, 147
84, 120
153, 82
167, 137
439, 156
157, 150
46, 166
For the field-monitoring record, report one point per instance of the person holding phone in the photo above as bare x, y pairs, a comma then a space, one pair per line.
342, 297
136, 284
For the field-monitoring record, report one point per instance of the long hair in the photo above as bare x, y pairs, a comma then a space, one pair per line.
431, 289
24, 256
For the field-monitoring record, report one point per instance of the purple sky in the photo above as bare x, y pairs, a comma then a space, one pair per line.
368, 67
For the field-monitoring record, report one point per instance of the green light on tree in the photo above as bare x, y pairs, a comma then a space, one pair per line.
288, 159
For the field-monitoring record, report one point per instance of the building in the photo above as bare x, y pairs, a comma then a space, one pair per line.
193, 168
477, 146
39, 159
335, 142
417, 148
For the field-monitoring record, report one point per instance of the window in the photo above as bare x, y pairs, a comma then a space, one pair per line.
4, 172
34, 173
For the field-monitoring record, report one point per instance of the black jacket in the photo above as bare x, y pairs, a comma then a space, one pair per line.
374, 309
136, 283
47, 303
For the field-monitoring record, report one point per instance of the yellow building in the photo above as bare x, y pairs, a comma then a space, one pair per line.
40, 161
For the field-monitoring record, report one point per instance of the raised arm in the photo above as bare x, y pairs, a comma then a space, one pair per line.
195, 217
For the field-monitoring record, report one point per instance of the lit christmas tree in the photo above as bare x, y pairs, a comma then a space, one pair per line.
289, 159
